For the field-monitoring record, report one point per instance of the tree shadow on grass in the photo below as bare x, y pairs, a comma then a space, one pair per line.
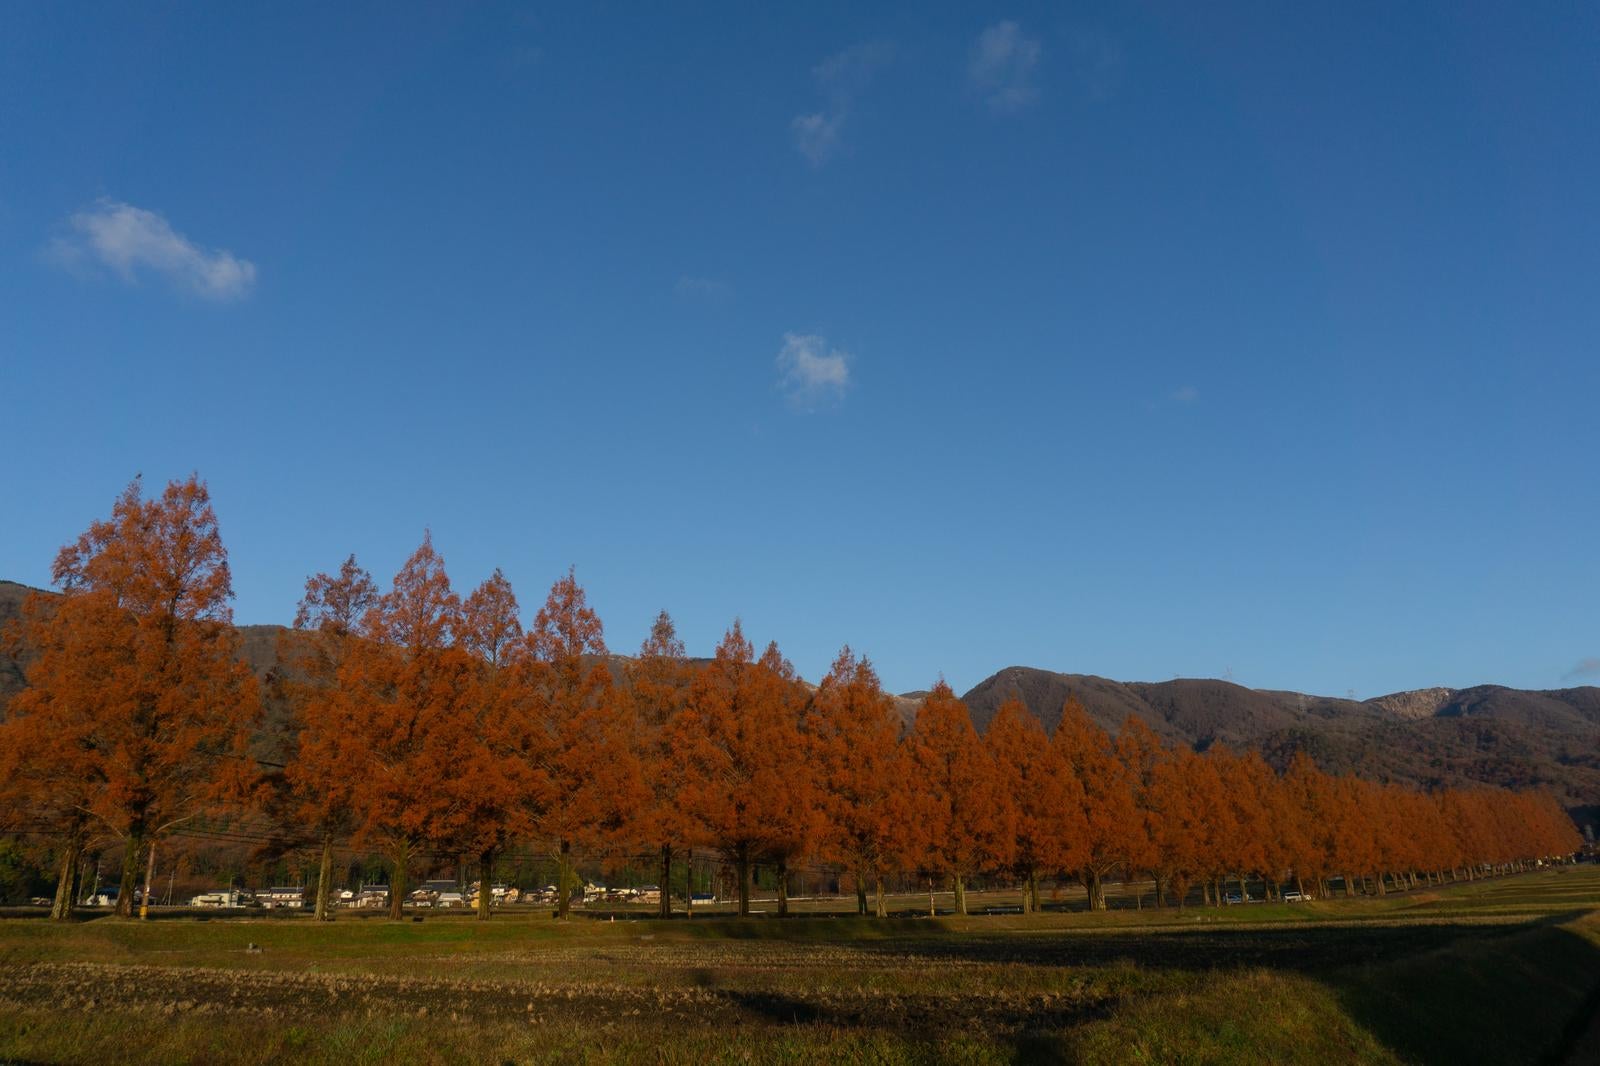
1527, 995
1296, 948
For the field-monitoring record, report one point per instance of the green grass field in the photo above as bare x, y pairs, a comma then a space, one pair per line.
1501, 971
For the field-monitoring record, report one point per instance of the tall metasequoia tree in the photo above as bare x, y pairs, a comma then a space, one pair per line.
740, 741
47, 743
315, 791
1111, 814
861, 771
793, 805
404, 697
965, 821
136, 671
659, 679
503, 784
1045, 795
596, 774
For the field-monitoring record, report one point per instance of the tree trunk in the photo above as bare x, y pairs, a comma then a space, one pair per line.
861, 892
132, 852
1349, 886
149, 875
1033, 889
564, 881
67, 876
961, 895
666, 881
1097, 892
485, 884
882, 907
324, 908
783, 888
397, 882
688, 882
741, 865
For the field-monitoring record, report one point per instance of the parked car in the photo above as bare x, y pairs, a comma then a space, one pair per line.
1232, 897
1293, 896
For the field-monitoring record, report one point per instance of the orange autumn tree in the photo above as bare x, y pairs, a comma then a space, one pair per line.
860, 769
314, 793
503, 783
1113, 822
1047, 798
47, 743
594, 765
740, 742
964, 821
658, 680
136, 672
403, 698
795, 822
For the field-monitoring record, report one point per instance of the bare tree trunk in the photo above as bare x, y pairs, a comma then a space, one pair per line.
1026, 898
485, 884
883, 907
149, 875
961, 895
133, 851
1033, 889
1097, 891
783, 888
688, 882
324, 907
398, 861
67, 877
666, 881
861, 892
564, 879
741, 865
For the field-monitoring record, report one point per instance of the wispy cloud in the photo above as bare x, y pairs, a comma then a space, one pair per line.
841, 78
1096, 60
1185, 394
708, 289
811, 372
130, 240
1003, 66
1589, 667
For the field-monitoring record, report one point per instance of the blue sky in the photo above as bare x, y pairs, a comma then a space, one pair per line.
1133, 340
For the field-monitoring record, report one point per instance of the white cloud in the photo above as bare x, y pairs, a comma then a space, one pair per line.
841, 78
810, 372
816, 136
1186, 394
709, 289
1003, 65
129, 240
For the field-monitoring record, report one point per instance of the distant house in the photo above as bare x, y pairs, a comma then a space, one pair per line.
649, 894
282, 896
227, 899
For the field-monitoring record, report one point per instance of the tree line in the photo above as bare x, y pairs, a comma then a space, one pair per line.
423, 721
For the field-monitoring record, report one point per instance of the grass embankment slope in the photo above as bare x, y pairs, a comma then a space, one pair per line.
1500, 971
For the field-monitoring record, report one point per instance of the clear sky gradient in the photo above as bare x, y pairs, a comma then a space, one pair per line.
1138, 340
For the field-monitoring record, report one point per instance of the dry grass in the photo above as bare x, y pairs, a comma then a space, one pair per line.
1493, 971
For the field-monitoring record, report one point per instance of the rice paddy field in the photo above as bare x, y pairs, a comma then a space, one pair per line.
1497, 971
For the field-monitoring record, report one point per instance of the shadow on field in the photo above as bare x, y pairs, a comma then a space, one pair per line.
1310, 950
1529, 994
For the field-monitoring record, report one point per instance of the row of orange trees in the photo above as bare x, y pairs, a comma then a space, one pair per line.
423, 722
